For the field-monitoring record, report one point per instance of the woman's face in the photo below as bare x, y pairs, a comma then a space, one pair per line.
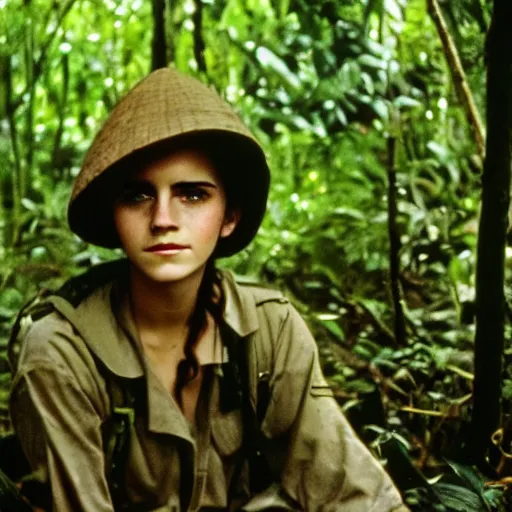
170, 215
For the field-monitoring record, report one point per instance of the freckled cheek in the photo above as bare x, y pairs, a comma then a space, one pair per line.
128, 226
208, 226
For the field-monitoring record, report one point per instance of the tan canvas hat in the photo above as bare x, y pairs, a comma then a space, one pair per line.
164, 109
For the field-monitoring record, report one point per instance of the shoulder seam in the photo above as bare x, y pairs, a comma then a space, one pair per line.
279, 299
262, 295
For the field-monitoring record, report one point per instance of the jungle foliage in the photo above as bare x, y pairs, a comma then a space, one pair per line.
374, 202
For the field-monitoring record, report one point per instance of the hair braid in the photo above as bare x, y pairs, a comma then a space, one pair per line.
210, 299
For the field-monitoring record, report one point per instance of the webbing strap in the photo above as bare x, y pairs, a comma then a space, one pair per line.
117, 434
260, 474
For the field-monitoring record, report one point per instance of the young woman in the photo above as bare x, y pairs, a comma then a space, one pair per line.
159, 383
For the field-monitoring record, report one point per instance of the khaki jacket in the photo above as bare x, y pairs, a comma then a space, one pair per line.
60, 401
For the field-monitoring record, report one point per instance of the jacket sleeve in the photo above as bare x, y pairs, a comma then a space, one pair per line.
325, 467
56, 412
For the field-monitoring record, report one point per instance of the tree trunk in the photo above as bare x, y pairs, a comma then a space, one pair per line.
158, 44
27, 166
490, 300
15, 210
61, 107
171, 31
394, 247
198, 36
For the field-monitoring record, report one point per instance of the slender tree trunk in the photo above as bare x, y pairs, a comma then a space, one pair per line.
27, 165
171, 30
158, 44
490, 300
15, 213
61, 105
459, 76
5, 85
394, 246
198, 36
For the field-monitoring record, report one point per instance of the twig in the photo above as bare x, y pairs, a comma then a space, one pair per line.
459, 371
425, 412
452, 411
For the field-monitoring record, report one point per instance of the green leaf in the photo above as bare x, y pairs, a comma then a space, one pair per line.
368, 83
349, 76
406, 102
470, 476
460, 499
284, 6
441, 152
269, 60
393, 9
342, 118
381, 109
372, 62
333, 327
350, 212
360, 386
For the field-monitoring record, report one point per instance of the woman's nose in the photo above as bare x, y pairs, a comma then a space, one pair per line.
165, 215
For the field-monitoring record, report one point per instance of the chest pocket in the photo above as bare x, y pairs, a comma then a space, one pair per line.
227, 432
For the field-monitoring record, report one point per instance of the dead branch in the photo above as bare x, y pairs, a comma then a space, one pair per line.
459, 76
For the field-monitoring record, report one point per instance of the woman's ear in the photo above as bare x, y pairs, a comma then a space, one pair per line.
230, 222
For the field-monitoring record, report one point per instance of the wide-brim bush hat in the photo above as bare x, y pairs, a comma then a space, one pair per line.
168, 109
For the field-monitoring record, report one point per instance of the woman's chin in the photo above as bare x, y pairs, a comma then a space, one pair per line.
170, 273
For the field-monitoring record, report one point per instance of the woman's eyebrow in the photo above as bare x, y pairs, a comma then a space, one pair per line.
193, 184
135, 182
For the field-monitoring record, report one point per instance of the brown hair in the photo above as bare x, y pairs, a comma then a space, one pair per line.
210, 299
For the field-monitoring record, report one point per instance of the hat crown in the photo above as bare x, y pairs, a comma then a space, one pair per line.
165, 104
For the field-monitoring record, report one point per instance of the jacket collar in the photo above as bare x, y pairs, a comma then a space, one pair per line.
240, 310
122, 354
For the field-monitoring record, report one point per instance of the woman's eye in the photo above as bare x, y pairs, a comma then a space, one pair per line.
135, 196
139, 197
193, 195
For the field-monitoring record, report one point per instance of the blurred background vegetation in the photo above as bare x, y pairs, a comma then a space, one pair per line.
374, 201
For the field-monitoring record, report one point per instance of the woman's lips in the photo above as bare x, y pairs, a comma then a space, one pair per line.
167, 248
